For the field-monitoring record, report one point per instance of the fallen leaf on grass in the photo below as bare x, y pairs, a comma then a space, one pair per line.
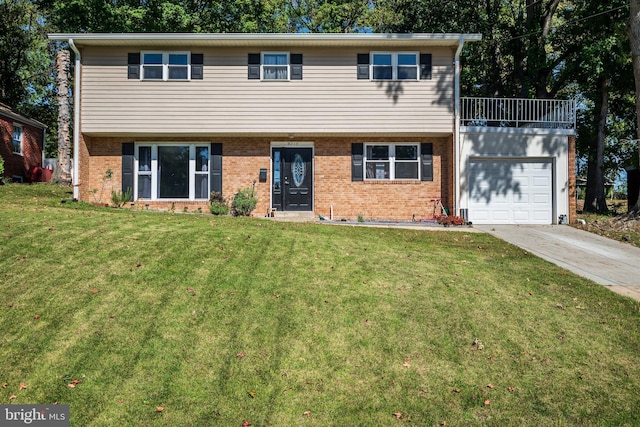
240, 355
5, 385
23, 386
511, 389
159, 409
94, 291
139, 265
13, 396
71, 385
251, 393
487, 402
36, 316
246, 424
456, 390
491, 386
398, 415
407, 363
307, 413
443, 423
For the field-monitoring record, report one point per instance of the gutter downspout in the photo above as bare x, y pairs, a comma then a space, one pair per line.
76, 120
456, 131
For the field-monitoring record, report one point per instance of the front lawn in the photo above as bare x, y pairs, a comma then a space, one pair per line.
146, 318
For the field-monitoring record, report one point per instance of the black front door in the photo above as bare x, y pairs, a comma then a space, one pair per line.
292, 179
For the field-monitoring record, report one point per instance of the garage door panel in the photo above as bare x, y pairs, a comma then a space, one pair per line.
510, 191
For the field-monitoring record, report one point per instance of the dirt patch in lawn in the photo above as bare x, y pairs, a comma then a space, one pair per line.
617, 225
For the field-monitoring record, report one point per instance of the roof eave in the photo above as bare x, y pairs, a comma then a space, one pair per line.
273, 39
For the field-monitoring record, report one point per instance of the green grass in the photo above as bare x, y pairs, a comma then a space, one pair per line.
222, 320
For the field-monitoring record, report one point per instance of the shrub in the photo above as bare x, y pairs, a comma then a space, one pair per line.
1, 167
217, 204
244, 202
118, 198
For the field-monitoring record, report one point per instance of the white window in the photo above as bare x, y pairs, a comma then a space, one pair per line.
165, 66
275, 65
17, 139
172, 171
392, 161
395, 66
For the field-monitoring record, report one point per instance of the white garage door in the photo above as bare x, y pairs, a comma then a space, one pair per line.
509, 191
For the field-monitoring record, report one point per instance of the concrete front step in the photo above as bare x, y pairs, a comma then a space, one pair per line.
294, 216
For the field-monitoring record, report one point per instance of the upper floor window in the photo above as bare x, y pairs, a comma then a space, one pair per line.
392, 161
395, 65
275, 66
17, 139
166, 66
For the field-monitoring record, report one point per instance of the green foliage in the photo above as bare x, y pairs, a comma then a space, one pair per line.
1, 167
244, 202
118, 198
218, 204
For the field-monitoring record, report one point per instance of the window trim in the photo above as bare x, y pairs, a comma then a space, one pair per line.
20, 142
394, 65
165, 65
155, 179
262, 65
391, 160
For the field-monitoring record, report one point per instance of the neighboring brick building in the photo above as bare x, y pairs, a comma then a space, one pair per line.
338, 125
22, 145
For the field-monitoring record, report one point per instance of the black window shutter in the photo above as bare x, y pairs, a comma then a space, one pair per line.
425, 66
216, 167
296, 66
426, 161
363, 66
133, 66
197, 61
253, 62
127, 167
357, 155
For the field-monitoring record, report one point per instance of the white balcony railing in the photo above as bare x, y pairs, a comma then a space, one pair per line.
518, 112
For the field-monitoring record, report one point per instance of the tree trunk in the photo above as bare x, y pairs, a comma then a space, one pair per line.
62, 171
595, 200
634, 37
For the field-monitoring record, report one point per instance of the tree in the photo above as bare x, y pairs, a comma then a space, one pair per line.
62, 172
25, 68
633, 30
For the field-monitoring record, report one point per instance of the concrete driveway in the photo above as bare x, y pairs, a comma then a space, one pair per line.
605, 261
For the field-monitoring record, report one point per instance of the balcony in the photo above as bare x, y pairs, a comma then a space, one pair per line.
518, 113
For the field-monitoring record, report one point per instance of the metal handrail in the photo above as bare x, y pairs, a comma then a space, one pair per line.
518, 112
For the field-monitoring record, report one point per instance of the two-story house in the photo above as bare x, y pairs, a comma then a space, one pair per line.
338, 125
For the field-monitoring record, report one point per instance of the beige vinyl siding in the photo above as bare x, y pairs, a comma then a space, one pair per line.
329, 99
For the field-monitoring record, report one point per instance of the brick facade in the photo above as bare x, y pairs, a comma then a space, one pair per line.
19, 165
244, 157
572, 180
